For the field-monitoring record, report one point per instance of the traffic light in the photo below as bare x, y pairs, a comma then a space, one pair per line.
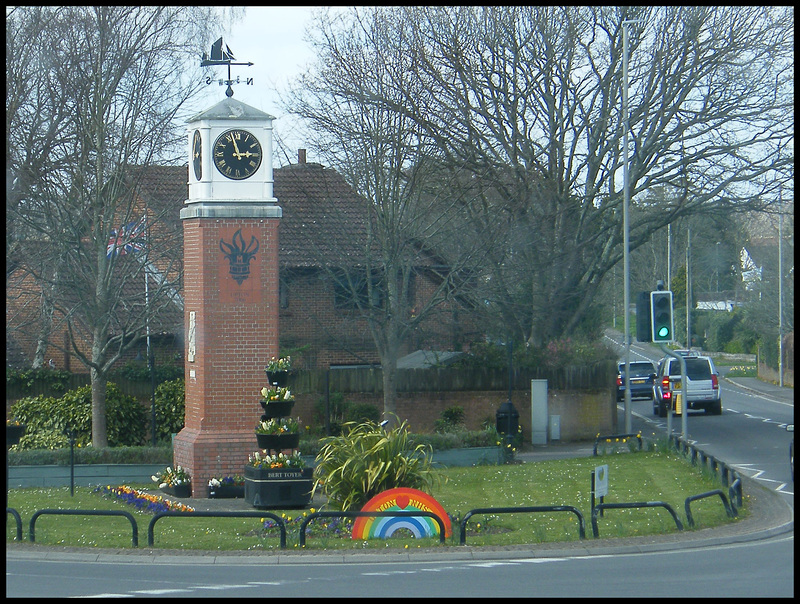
643, 318
661, 316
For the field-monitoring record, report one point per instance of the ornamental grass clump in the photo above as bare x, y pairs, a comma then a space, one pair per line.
366, 460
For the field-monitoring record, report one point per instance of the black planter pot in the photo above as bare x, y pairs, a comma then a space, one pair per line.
181, 490
282, 488
276, 408
278, 442
280, 378
14, 433
226, 491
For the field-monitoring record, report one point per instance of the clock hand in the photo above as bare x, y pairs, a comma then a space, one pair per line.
237, 153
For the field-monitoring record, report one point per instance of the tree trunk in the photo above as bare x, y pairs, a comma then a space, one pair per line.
44, 333
99, 426
389, 370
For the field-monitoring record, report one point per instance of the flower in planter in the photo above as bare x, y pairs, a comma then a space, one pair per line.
276, 394
13, 422
282, 364
232, 481
278, 425
171, 477
274, 462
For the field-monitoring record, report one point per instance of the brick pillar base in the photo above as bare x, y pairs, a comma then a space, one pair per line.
212, 453
231, 321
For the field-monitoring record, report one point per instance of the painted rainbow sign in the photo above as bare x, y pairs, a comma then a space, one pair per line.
401, 499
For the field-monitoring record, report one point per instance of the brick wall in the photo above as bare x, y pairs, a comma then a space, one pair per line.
332, 336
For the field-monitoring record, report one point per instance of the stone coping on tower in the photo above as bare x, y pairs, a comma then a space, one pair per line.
267, 208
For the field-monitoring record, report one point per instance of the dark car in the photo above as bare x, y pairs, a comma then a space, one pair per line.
643, 374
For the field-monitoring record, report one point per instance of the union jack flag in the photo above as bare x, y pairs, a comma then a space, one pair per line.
129, 239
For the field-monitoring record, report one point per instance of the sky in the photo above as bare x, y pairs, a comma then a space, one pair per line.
272, 38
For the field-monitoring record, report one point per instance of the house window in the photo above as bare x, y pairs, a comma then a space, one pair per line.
283, 295
350, 291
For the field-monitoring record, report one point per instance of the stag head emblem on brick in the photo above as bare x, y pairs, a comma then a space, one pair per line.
239, 255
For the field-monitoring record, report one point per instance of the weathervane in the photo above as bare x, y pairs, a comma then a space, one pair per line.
223, 57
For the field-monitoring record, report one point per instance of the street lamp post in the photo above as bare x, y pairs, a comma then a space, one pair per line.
625, 223
780, 287
689, 287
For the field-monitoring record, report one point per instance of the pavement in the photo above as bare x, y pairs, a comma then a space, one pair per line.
769, 515
757, 386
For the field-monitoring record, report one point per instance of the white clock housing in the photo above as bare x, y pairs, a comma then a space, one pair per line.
213, 187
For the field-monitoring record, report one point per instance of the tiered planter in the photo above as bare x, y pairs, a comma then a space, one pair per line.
279, 487
276, 408
278, 378
278, 442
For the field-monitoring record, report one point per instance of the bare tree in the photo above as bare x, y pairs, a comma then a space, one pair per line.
527, 99
93, 92
348, 101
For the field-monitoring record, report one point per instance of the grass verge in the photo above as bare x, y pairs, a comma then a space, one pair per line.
633, 477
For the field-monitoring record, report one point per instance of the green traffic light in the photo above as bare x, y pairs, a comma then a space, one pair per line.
661, 315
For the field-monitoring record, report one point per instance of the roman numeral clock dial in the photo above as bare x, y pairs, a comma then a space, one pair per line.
237, 154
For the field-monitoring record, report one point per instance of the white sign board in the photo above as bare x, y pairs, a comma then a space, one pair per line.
601, 481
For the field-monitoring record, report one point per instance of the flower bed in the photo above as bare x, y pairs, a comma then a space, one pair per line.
144, 502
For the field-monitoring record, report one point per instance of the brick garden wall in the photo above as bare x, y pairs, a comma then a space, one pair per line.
583, 413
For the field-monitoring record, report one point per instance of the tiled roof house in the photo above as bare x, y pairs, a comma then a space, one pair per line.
322, 228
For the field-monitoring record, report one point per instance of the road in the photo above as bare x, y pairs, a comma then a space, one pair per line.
749, 436
702, 572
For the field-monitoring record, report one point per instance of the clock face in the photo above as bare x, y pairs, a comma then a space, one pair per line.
197, 155
237, 154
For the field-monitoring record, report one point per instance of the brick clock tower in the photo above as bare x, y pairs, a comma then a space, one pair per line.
230, 255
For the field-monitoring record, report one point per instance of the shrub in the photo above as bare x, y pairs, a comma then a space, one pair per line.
338, 411
90, 455
138, 371
170, 409
43, 439
452, 420
458, 439
48, 419
127, 420
56, 379
366, 460
363, 412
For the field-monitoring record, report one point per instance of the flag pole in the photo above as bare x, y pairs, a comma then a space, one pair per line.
150, 354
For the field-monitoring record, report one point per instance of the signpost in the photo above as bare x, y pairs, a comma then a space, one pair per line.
599, 484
